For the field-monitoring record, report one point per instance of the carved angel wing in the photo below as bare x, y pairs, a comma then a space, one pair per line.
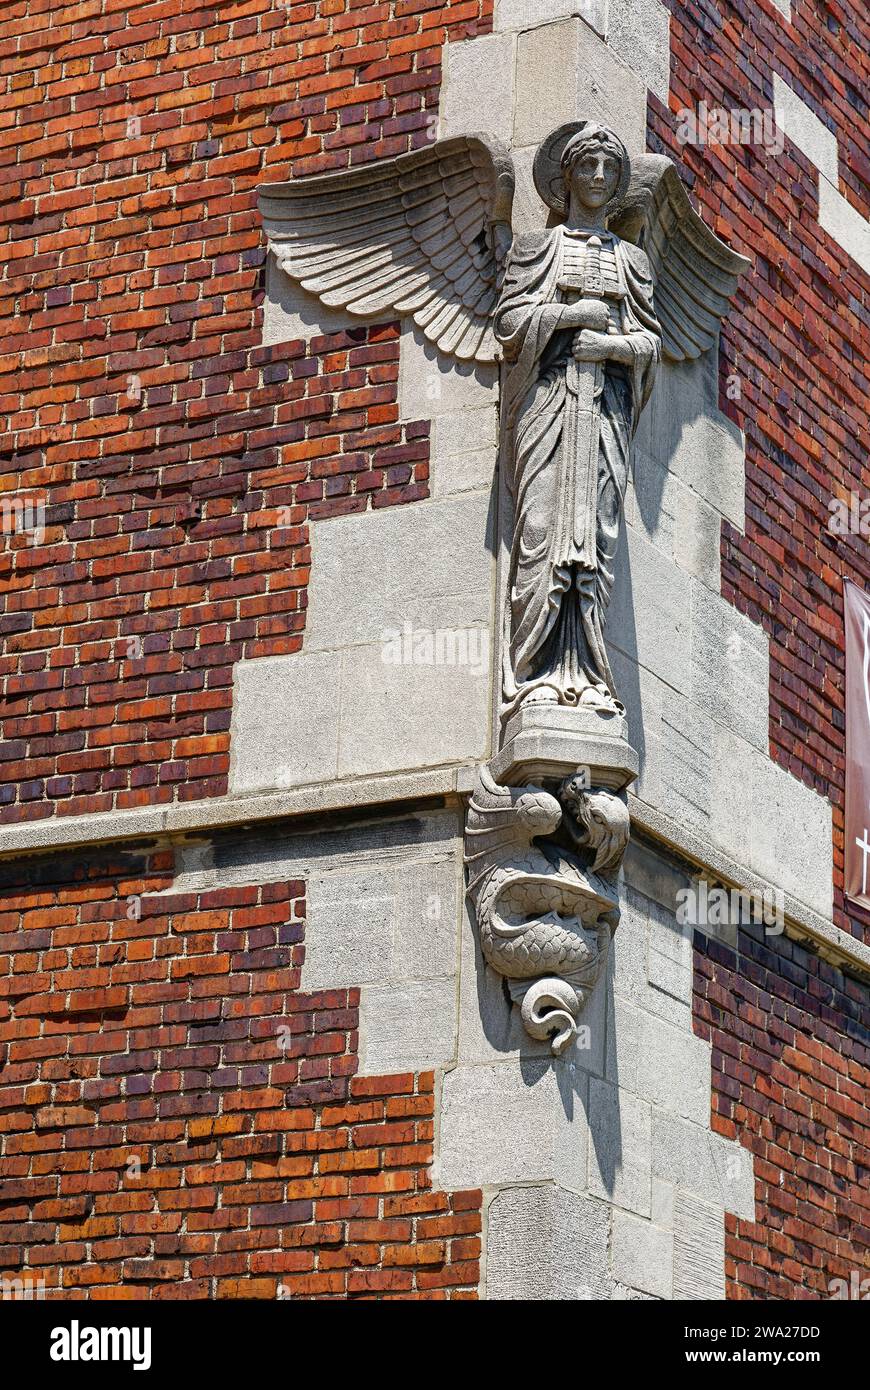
694, 273
424, 235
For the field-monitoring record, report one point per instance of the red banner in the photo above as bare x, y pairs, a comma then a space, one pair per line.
857, 745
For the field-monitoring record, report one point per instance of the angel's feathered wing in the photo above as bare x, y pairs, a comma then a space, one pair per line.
694, 273
424, 235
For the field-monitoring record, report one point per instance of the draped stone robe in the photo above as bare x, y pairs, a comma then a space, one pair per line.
560, 579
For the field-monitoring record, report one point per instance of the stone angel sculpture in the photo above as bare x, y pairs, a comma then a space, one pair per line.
580, 312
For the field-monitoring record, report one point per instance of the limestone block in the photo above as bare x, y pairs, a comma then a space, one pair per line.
699, 1248
649, 781
282, 852
638, 31
623, 1033
730, 667
673, 1069
564, 72
644, 920
545, 1243
628, 950
803, 127
711, 458
651, 500
588, 1052
477, 86
528, 14
703, 1164
428, 564
464, 431
790, 846
350, 939
464, 451
669, 961
380, 923
676, 519
428, 895
650, 874
431, 385
643, 695
407, 716
290, 728
407, 1027
529, 211
620, 1138
725, 931
736, 1176
284, 709
468, 471
663, 1198
697, 537
642, 1255
649, 618
508, 1123
686, 768
844, 223
684, 430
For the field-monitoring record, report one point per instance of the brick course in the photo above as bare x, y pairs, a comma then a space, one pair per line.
793, 344
164, 566
791, 1081
179, 1120
180, 462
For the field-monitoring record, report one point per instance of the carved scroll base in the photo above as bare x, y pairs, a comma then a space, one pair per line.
546, 830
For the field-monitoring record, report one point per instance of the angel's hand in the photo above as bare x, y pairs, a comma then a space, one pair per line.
590, 346
586, 313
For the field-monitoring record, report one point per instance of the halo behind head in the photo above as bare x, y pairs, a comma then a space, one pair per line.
548, 172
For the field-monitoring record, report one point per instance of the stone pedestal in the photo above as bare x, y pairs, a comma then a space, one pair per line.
542, 742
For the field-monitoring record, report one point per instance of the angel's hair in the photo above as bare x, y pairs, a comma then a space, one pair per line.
592, 137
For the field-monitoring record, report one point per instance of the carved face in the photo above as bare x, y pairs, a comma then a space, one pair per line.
594, 176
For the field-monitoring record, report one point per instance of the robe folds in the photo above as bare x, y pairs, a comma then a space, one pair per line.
561, 580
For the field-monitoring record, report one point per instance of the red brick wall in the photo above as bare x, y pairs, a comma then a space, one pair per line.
791, 1081
137, 252
166, 562
791, 1050
138, 1023
794, 346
